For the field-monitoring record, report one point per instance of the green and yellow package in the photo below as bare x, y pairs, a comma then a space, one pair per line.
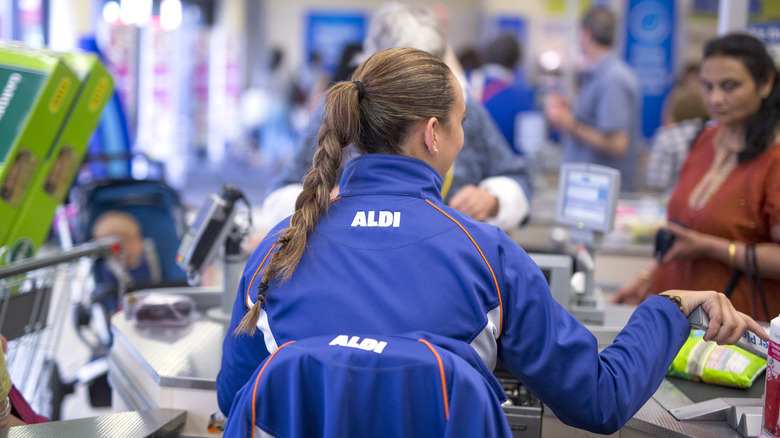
61, 164
36, 92
709, 362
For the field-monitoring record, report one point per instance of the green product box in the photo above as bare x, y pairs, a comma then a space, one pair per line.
36, 94
49, 187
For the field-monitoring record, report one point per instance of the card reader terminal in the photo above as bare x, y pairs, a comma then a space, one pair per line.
749, 341
204, 238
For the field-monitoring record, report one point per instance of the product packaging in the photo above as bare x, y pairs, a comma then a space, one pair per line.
725, 365
769, 422
61, 163
57, 162
36, 93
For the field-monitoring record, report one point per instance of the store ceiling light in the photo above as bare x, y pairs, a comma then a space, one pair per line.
111, 12
550, 60
135, 11
170, 14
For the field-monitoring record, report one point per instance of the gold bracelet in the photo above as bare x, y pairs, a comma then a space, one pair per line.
732, 253
645, 275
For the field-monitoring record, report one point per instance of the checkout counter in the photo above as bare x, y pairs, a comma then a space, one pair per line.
169, 367
176, 367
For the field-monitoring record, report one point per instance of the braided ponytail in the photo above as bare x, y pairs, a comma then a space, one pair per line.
340, 127
392, 90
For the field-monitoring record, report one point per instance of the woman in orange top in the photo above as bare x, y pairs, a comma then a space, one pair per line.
728, 194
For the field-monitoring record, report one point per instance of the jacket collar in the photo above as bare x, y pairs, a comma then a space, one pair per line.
390, 174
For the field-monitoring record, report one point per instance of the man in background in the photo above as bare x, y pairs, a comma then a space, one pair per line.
603, 126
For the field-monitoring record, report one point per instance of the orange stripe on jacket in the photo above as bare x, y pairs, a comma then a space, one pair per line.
254, 391
249, 288
443, 379
498, 290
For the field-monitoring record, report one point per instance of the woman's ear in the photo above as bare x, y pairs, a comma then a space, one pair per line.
430, 135
766, 89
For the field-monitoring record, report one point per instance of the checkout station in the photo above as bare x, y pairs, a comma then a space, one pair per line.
175, 366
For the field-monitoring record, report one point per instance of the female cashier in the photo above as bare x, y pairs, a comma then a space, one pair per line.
388, 257
728, 193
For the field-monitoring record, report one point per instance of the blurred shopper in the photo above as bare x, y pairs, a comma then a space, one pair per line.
309, 86
728, 194
469, 59
684, 118
500, 88
603, 127
137, 266
690, 75
265, 111
487, 181
348, 62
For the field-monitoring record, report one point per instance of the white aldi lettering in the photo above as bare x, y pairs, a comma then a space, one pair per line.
377, 219
367, 344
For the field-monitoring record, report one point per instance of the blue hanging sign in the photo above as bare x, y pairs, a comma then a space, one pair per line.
650, 29
328, 32
514, 24
769, 33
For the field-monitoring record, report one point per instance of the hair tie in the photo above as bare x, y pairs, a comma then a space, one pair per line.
361, 89
285, 238
261, 288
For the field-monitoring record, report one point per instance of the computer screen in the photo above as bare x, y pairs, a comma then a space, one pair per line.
587, 196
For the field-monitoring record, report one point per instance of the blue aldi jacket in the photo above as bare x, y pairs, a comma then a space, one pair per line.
389, 257
410, 385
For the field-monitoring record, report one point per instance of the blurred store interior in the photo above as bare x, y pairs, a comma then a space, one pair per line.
220, 88
216, 92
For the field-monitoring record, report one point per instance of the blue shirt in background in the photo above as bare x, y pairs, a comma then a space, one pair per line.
608, 100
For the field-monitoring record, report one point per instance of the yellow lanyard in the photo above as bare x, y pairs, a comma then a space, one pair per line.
447, 181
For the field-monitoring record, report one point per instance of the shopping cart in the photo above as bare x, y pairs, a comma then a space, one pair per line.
34, 299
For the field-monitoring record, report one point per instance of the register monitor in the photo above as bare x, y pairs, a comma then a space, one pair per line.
587, 197
587, 200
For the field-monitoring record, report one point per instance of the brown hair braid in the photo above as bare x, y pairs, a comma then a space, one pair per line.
402, 86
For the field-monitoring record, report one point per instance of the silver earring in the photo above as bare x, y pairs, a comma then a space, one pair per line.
437, 151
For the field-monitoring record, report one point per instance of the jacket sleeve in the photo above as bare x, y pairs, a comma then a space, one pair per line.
557, 358
241, 354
